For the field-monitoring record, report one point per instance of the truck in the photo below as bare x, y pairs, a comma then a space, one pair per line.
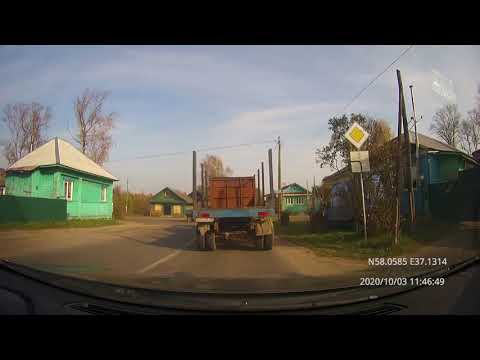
231, 207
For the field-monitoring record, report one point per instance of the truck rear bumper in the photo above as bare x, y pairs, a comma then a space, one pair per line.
233, 213
204, 220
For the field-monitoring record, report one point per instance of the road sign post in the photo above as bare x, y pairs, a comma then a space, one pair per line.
357, 136
361, 186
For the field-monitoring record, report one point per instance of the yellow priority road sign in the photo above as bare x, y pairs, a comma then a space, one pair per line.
357, 135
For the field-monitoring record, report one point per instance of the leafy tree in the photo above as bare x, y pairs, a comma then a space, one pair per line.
337, 152
379, 183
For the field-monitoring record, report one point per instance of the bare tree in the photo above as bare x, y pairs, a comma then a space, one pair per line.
469, 134
94, 127
27, 124
214, 166
470, 129
39, 118
446, 124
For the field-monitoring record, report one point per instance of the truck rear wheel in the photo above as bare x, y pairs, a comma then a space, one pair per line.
260, 242
200, 241
211, 241
268, 242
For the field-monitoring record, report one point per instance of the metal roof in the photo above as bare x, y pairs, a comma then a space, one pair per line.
59, 152
426, 142
182, 195
292, 185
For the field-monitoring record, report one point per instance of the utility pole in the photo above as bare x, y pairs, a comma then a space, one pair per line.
417, 156
203, 185
126, 201
270, 171
259, 201
206, 186
308, 198
194, 180
398, 173
263, 186
407, 153
279, 178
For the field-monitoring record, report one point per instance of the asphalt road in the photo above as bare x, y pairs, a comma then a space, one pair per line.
162, 253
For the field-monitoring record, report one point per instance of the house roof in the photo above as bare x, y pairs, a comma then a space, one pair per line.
59, 152
427, 142
291, 188
182, 195
179, 194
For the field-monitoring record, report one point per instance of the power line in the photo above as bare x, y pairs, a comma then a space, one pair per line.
376, 77
189, 151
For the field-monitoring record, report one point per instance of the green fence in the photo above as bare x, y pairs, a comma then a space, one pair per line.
19, 209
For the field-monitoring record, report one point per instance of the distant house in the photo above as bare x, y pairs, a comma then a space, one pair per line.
57, 170
294, 198
440, 167
199, 196
170, 202
2, 182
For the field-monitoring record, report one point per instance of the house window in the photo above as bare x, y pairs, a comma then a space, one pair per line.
104, 193
68, 190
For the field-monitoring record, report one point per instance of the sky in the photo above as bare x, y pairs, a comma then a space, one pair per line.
175, 99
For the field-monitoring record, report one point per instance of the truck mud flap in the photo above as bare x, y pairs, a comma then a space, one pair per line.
264, 227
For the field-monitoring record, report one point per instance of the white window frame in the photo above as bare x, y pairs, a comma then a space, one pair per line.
69, 183
103, 195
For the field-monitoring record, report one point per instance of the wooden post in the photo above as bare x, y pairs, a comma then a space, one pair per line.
411, 199
207, 181
259, 201
203, 185
263, 187
279, 178
308, 203
270, 168
194, 180
314, 194
126, 201
398, 179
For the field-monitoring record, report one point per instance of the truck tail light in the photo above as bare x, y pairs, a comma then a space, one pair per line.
263, 213
204, 215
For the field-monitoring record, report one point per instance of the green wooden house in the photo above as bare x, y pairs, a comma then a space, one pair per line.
170, 202
294, 199
57, 170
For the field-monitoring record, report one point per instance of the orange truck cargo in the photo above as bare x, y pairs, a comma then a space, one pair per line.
230, 208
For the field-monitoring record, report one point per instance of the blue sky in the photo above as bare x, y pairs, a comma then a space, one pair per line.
178, 98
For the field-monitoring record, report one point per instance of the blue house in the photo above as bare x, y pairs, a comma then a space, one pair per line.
440, 168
